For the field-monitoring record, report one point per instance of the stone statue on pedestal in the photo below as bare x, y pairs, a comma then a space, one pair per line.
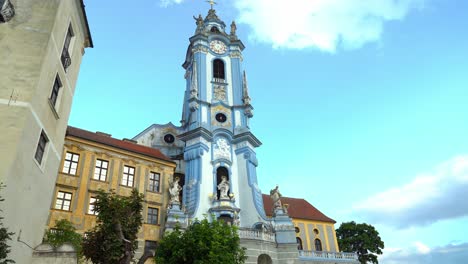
275, 196
174, 191
223, 188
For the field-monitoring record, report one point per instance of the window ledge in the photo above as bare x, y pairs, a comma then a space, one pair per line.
54, 111
61, 210
153, 224
219, 81
69, 174
95, 180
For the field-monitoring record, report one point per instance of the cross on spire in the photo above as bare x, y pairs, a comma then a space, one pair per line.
211, 2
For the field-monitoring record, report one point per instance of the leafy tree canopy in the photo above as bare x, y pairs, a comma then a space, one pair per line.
63, 232
4, 237
202, 243
114, 239
362, 239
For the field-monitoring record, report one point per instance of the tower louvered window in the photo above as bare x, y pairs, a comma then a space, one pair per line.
218, 69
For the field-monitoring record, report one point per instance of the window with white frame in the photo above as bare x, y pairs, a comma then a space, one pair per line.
153, 183
55, 91
63, 201
70, 164
100, 171
41, 147
92, 202
128, 176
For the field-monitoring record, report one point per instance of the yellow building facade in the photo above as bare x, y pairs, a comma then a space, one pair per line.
94, 161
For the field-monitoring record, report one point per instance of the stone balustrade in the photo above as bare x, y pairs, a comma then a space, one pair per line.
304, 254
256, 235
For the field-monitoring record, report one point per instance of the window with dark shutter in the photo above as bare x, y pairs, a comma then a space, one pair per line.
66, 58
41, 146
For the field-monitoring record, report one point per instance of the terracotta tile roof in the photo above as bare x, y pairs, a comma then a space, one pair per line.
116, 143
298, 208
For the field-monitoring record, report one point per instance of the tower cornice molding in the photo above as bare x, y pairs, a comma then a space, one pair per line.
247, 136
198, 132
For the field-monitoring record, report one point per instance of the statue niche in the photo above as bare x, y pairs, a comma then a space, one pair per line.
222, 183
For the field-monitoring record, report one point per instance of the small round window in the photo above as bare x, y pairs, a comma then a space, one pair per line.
220, 117
316, 231
297, 229
169, 138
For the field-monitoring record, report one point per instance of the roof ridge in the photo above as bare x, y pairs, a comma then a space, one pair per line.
108, 140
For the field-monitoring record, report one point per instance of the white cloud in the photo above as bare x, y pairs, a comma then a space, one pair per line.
166, 3
448, 254
422, 249
324, 24
430, 197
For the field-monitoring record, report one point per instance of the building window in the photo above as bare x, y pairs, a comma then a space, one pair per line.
153, 216
318, 245
150, 246
218, 69
296, 229
55, 91
71, 163
41, 146
92, 201
66, 58
128, 176
316, 232
100, 171
299, 243
154, 181
63, 201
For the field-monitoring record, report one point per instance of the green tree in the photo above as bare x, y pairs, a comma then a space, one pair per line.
202, 243
119, 218
362, 239
64, 232
4, 237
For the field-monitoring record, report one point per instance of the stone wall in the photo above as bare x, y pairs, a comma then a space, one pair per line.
46, 254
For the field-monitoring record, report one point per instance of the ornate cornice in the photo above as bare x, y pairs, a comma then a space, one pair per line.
195, 151
247, 136
199, 48
236, 54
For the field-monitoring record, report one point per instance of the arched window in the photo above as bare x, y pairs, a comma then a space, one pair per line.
218, 69
299, 243
318, 245
264, 259
214, 29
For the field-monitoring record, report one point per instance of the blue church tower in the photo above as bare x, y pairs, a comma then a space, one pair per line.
214, 144
215, 148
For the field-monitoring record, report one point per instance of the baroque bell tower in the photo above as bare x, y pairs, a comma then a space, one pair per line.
220, 161
214, 146
215, 149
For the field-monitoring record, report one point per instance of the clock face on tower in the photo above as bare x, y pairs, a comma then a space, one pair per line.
218, 47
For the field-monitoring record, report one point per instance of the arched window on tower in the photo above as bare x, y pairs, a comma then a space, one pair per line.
214, 29
318, 245
299, 243
218, 69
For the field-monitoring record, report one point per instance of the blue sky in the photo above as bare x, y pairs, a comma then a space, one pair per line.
361, 105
